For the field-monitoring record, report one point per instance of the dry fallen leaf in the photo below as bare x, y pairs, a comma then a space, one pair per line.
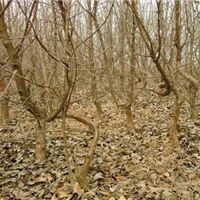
77, 189
98, 176
62, 192
122, 198
43, 178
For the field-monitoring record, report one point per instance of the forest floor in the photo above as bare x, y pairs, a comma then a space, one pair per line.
140, 164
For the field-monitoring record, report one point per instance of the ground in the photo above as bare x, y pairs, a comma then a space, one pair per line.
141, 164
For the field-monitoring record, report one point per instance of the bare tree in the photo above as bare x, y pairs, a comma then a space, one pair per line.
92, 62
39, 113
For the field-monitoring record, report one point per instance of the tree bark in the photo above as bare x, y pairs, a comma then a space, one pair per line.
94, 89
192, 93
40, 139
4, 111
174, 122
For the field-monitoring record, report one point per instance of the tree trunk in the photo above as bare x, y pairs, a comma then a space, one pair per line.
174, 122
175, 116
88, 159
94, 88
82, 179
108, 61
40, 139
192, 101
4, 112
129, 118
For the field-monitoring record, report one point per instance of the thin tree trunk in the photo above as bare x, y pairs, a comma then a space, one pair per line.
40, 139
88, 159
175, 116
107, 60
94, 89
4, 113
174, 122
121, 50
129, 117
66, 147
85, 168
130, 90
192, 101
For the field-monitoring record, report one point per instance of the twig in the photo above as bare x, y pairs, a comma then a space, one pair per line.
5, 8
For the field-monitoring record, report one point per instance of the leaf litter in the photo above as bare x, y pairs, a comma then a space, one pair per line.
127, 165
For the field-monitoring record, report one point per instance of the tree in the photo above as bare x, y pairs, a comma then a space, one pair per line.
14, 55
